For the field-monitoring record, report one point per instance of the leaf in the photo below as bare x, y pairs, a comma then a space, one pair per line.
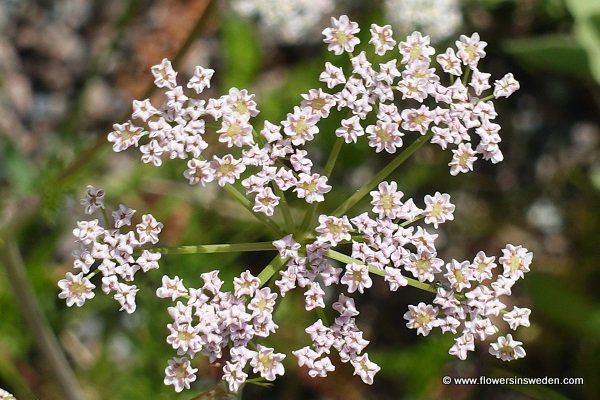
553, 53
587, 29
564, 305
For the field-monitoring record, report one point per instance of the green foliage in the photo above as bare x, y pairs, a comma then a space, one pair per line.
420, 366
240, 52
16, 169
587, 29
557, 54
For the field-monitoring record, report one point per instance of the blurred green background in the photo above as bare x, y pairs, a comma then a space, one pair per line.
70, 69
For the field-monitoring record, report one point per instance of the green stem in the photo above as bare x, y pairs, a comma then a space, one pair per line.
268, 272
374, 270
406, 223
285, 208
106, 219
333, 155
486, 98
381, 175
466, 76
322, 316
240, 198
216, 248
39, 327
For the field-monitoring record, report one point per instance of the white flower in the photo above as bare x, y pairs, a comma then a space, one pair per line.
332, 76
438, 209
201, 79
340, 36
482, 267
394, 278
125, 295
386, 200
301, 125
462, 159
151, 153
333, 229
357, 278
199, 171
424, 265
318, 102
143, 110
422, 317
88, 231
212, 282
234, 375
462, 345
184, 338
321, 367
265, 201
180, 374
93, 199
172, 288
517, 317
76, 289
416, 48
479, 81
311, 187
449, 62
382, 38
236, 130
267, 363
384, 135
148, 260
314, 297
417, 120
480, 327
287, 246
289, 22
506, 86
149, 229
516, 261
263, 302
246, 284
122, 216
4, 395
365, 368
470, 49
227, 169
350, 129
507, 349
164, 74
459, 274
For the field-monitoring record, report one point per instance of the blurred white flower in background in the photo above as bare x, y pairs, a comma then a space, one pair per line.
290, 22
545, 215
439, 18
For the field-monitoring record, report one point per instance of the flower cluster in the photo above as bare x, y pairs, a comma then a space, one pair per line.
210, 321
178, 128
404, 95
111, 252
